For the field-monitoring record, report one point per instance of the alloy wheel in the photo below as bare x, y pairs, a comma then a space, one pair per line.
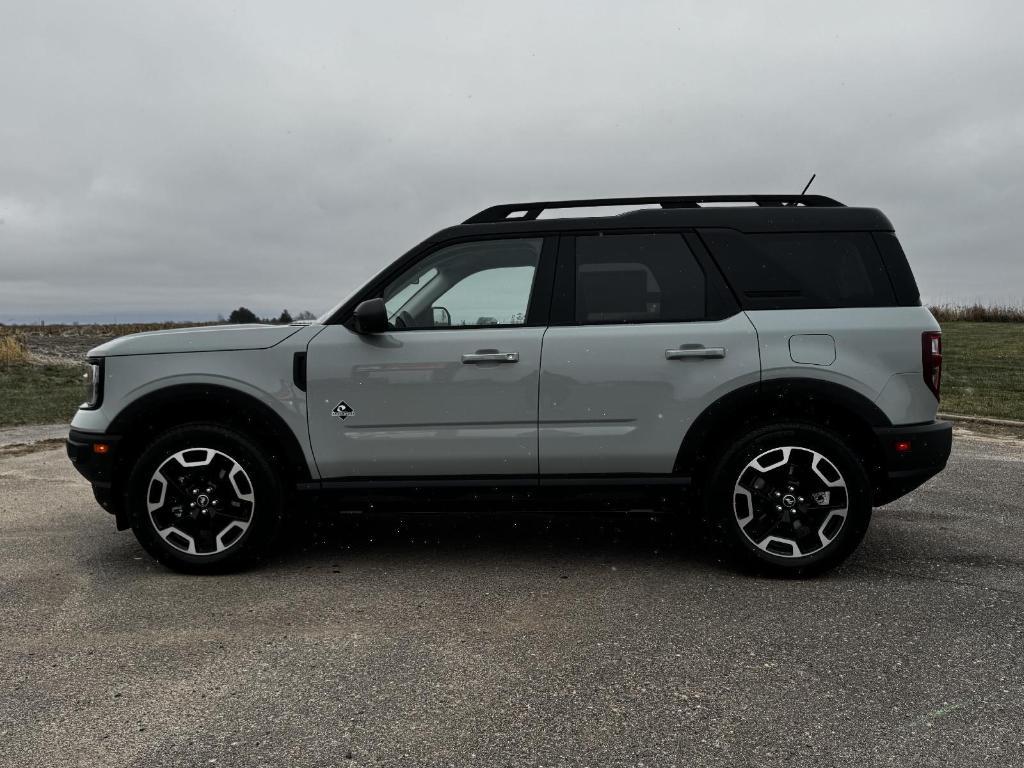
790, 501
200, 501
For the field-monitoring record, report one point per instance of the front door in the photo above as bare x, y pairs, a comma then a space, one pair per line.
451, 389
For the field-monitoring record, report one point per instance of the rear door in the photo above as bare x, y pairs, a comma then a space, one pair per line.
451, 389
648, 337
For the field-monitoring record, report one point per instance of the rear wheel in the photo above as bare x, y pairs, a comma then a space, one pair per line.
790, 499
203, 499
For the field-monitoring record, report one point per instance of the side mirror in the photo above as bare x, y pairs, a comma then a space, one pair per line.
442, 317
371, 316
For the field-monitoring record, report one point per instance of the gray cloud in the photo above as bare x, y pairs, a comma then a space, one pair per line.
179, 159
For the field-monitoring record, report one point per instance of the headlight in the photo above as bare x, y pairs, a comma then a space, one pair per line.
93, 384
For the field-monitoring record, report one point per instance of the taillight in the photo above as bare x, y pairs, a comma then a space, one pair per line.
931, 360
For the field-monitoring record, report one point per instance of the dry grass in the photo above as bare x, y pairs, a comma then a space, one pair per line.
12, 351
100, 329
978, 313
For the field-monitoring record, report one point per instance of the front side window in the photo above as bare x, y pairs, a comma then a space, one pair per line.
468, 285
644, 278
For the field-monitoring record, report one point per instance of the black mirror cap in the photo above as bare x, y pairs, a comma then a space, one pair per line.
371, 316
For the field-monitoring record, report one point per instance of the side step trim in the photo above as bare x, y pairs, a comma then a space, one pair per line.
492, 481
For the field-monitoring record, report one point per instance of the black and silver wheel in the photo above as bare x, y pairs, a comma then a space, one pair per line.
202, 498
791, 498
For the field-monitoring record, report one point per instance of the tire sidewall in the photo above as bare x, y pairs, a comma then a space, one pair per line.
267, 490
719, 501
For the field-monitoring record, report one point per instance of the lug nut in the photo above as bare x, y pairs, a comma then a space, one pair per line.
192, 505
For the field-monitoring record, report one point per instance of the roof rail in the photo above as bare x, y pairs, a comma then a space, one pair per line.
530, 211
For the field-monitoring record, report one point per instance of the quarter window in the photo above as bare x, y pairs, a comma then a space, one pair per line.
802, 270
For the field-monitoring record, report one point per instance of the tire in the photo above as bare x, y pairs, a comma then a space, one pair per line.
789, 499
203, 499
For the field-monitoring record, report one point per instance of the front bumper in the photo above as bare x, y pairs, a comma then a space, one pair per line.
910, 456
94, 464
98, 467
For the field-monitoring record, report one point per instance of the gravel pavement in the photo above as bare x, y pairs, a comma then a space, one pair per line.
515, 640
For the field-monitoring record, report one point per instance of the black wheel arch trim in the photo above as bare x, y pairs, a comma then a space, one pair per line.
233, 408
771, 399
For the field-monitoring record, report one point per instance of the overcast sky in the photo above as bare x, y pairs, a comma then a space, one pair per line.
177, 159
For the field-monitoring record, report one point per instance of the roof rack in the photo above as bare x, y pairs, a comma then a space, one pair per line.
530, 211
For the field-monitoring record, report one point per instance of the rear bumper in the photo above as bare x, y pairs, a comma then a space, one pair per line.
904, 470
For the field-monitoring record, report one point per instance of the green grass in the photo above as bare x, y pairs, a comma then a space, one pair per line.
39, 394
983, 369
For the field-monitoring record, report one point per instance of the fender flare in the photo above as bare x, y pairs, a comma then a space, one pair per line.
218, 403
774, 399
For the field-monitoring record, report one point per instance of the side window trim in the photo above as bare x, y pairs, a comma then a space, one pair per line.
720, 302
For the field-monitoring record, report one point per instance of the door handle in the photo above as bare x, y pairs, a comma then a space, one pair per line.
695, 353
490, 357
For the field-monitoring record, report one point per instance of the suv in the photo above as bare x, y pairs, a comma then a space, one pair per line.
764, 360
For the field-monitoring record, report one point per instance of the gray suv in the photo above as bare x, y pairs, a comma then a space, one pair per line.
762, 361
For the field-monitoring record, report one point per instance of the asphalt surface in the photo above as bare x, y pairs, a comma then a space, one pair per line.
515, 641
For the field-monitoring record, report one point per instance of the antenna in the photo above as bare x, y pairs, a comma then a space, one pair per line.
813, 175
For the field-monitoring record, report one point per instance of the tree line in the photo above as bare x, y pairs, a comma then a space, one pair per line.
246, 315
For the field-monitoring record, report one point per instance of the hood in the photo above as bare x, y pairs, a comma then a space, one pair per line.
211, 338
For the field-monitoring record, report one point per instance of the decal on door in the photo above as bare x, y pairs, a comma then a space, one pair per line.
342, 410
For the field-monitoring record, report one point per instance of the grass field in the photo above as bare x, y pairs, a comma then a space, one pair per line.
983, 369
983, 372
39, 394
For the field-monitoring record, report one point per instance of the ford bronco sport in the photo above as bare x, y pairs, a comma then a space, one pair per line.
764, 360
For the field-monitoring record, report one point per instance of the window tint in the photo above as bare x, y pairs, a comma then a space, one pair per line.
637, 279
465, 285
802, 270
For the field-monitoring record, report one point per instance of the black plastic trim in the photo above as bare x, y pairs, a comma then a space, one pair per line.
95, 467
767, 400
299, 370
493, 481
931, 445
237, 408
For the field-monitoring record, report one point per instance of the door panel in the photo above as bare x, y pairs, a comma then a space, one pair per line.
611, 400
418, 409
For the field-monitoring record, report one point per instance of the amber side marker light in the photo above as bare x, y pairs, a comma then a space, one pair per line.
100, 448
902, 446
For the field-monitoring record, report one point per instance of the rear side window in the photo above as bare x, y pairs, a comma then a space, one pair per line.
802, 270
642, 278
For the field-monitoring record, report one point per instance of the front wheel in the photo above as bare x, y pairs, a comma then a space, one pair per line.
203, 499
790, 499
